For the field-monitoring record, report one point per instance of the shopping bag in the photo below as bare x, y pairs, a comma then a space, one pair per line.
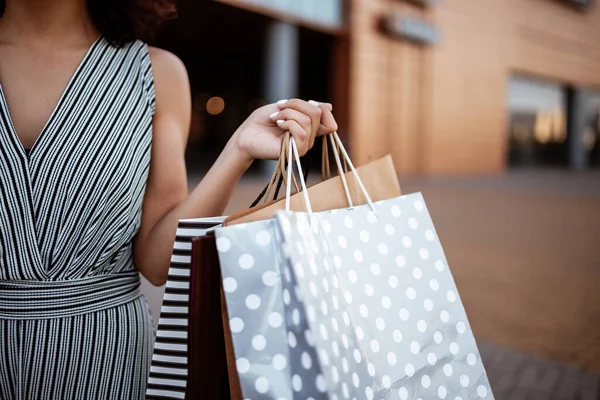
381, 302
273, 347
173, 366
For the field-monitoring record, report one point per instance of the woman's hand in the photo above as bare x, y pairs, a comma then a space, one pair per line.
260, 136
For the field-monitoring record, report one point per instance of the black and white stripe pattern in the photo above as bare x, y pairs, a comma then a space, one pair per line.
99, 355
169, 368
72, 322
47, 299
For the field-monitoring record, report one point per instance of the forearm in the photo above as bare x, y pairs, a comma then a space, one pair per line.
208, 199
211, 196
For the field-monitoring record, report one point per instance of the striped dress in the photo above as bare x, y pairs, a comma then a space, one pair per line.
73, 321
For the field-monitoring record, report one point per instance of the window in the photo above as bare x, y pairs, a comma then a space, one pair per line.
538, 123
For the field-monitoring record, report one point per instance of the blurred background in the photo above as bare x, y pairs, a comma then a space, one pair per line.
491, 108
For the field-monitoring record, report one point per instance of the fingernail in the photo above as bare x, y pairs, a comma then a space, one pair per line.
314, 103
282, 102
274, 115
279, 122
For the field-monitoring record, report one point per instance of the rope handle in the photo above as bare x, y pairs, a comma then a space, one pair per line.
325, 163
278, 178
335, 140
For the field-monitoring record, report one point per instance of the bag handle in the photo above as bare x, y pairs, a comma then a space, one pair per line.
293, 153
278, 178
271, 191
325, 169
339, 166
360, 183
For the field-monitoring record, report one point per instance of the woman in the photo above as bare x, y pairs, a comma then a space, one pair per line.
93, 127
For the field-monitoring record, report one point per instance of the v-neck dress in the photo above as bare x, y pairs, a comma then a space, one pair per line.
73, 321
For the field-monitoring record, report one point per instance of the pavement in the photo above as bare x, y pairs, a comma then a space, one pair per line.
519, 375
523, 248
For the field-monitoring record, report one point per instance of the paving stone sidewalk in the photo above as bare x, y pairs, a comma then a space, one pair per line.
515, 375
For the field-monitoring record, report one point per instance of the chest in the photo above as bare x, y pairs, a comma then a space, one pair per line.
33, 82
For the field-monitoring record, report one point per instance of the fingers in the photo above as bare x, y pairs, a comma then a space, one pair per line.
298, 133
302, 119
313, 118
310, 108
328, 123
328, 106
291, 114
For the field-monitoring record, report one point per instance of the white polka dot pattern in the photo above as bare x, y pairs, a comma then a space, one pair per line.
382, 302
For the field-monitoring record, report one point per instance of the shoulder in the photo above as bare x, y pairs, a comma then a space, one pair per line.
166, 66
171, 80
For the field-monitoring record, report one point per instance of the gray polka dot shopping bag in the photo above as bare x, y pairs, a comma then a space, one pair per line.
275, 353
373, 286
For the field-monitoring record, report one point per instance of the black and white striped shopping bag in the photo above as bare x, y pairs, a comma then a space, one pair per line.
169, 369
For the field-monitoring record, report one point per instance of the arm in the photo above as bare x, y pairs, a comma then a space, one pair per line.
166, 199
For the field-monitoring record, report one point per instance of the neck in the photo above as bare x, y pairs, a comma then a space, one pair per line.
27, 21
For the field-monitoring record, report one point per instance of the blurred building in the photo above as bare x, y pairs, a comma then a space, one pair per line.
446, 86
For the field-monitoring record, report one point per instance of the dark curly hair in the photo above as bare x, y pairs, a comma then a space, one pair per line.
123, 21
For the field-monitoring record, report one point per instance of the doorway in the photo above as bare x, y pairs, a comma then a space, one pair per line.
223, 48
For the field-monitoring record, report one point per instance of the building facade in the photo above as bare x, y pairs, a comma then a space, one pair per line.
446, 86
445, 108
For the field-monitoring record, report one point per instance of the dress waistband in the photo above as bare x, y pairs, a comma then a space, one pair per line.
55, 299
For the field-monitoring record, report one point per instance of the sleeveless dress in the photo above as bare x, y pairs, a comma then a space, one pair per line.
73, 321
